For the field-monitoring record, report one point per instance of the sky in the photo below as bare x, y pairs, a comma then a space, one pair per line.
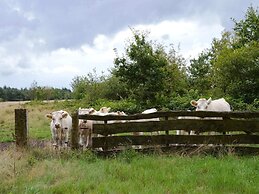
50, 42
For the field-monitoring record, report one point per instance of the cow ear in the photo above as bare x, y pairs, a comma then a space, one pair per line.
108, 109
64, 115
209, 100
48, 116
194, 103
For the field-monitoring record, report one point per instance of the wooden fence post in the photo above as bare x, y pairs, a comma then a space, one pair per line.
167, 132
75, 131
21, 127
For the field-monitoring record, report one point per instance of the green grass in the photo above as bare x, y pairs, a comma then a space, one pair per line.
44, 171
50, 171
37, 122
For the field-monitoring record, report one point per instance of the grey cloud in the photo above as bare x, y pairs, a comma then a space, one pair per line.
12, 21
65, 23
69, 23
6, 70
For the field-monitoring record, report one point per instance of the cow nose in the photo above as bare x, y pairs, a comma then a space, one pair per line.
57, 125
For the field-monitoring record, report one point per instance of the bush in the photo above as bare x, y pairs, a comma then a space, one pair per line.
127, 105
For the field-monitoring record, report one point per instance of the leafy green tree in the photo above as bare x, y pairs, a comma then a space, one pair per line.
235, 62
236, 72
200, 73
114, 89
147, 70
247, 30
93, 87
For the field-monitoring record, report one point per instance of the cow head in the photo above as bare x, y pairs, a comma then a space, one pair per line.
104, 110
57, 117
202, 104
84, 111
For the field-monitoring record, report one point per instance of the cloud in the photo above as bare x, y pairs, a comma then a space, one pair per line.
59, 66
53, 41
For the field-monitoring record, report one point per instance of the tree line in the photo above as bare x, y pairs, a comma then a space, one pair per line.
34, 93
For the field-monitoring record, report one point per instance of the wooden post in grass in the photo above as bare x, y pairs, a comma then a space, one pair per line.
21, 127
75, 131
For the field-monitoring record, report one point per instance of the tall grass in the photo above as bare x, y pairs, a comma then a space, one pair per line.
50, 171
47, 171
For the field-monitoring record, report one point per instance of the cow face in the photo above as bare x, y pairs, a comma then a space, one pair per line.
202, 104
57, 117
104, 110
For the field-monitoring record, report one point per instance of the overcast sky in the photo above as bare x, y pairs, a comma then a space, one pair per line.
52, 41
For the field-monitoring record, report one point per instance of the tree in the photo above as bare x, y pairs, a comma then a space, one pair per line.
236, 72
200, 73
147, 70
247, 30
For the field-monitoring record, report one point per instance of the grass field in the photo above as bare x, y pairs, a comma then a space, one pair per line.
37, 122
50, 171
47, 171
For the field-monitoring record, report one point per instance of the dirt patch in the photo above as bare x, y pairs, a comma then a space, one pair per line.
5, 145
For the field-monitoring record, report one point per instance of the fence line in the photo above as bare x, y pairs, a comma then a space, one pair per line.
234, 122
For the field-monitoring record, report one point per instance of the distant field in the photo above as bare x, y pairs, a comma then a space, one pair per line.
38, 123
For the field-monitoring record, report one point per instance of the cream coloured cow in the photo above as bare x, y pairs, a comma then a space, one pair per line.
60, 126
185, 132
219, 105
86, 126
148, 111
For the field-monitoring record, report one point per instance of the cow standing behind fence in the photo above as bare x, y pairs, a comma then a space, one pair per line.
219, 105
60, 126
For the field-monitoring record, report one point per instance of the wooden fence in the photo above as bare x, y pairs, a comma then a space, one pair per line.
241, 128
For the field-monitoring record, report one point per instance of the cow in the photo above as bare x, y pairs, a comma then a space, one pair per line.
148, 111
60, 126
185, 132
219, 105
104, 110
86, 126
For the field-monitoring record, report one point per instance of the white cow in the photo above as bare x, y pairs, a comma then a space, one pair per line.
60, 126
86, 126
219, 105
104, 110
184, 132
148, 111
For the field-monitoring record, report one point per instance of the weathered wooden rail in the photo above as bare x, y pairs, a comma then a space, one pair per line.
242, 128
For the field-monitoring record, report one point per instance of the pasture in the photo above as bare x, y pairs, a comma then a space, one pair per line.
44, 170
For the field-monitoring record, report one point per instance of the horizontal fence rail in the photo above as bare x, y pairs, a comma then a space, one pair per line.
161, 114
145, 140
179, 124
117, 131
